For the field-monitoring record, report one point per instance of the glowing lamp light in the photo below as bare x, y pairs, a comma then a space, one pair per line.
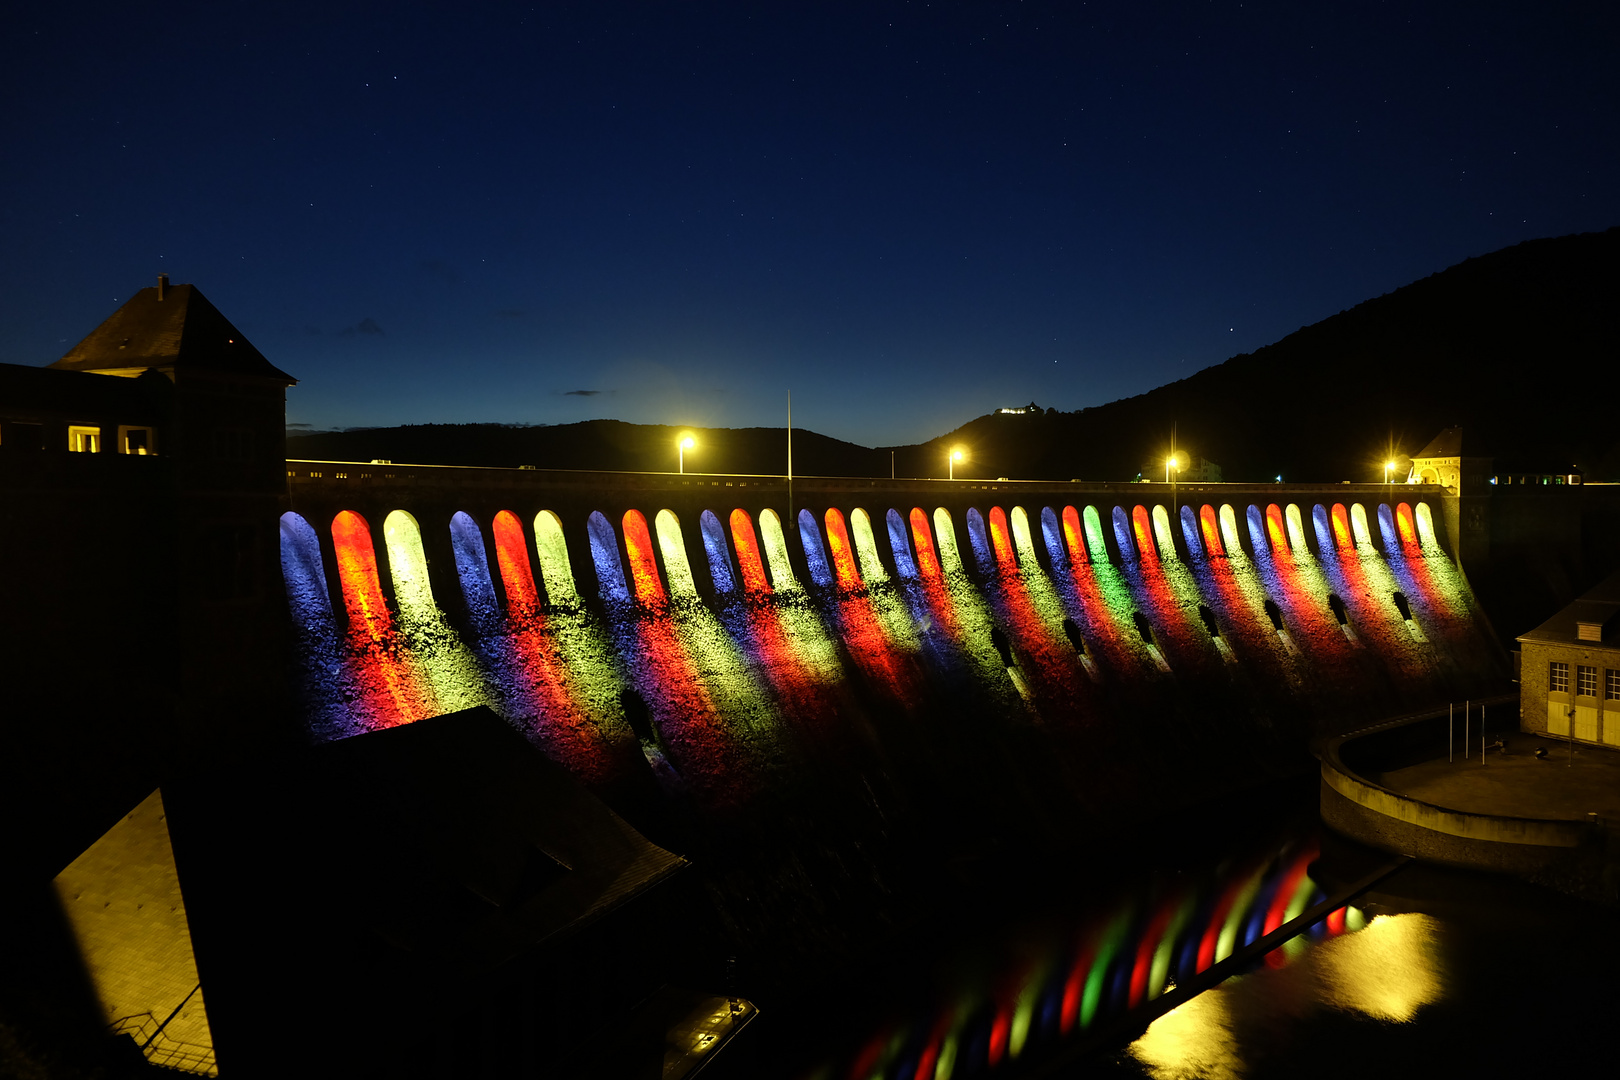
685, 443
1171, 462
957, 454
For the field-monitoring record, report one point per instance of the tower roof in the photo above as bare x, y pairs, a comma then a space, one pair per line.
171, 327
1449, 443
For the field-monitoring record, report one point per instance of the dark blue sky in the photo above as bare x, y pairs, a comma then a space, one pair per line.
907, 214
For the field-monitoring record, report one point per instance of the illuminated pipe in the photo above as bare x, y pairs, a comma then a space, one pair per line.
776, 553
1189, 532
556, 571
1074, 536
1001, 540
672, 545
1358, 525
1052, 533
605, 558
1023, 540
357, 570
1163, 539
843, 555
866, 549
900, 544
928, 564
950, 556
512, 556
304, 573
1212, 528
472, 570
815, 556
1296, 529
1122, 535
1230, 541
979, 542
749, 564
719, 556
1344, 537
407, 565
1276, 531
643, 562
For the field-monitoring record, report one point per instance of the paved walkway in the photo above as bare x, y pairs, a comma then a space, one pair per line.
1515, 783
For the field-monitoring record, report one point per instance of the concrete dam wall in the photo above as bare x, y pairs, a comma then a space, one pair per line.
735, 646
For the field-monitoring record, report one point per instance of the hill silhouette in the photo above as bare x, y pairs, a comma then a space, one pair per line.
1511, 346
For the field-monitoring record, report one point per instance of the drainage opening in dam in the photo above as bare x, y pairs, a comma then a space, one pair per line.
1274, 613
1208, 618
1336, 605
1072, 632
1143, 627
1402, 605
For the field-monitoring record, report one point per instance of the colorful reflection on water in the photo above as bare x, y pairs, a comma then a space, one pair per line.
1033, 997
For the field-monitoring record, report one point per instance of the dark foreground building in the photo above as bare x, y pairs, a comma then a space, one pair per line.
432, 900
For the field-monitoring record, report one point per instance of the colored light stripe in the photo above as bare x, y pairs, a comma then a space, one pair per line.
643, 563
748, 560
512, 556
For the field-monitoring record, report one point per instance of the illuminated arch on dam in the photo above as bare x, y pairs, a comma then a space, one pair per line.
719, 556
1039, 633
900, 545
472, 570
605, 557
512, 556
556, 571
815, 555
749, 563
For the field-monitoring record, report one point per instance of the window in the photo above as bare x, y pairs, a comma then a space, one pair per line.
21, 435
136, 440
1585, 681
1558, 677
83, 439
1611, 685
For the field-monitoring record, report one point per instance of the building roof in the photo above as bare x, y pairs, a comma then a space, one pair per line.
170, 327
1599, 611
1449, 443
33, 391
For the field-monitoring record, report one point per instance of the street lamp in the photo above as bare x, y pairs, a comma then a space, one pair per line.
1171, 462
956, 455
686, 443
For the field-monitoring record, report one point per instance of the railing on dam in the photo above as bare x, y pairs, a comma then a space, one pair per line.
702, 618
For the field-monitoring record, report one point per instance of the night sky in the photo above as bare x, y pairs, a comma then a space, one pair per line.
906, 214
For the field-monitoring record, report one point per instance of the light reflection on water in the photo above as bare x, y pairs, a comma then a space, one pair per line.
1389, 971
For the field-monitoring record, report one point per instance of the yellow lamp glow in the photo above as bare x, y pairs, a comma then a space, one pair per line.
686, 443
957, 454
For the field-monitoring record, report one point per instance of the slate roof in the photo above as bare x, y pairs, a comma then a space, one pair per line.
1600, 605
1449, 443
182, 331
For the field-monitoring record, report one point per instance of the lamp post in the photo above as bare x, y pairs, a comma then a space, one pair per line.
956, 455
686, 443
1389, 483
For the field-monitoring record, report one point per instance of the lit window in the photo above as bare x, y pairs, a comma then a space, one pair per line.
1611, 685
1585, 681
84, 440
1558, 677
136, 440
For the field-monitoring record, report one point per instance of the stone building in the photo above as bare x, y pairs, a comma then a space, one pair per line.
1569, 670
141, 479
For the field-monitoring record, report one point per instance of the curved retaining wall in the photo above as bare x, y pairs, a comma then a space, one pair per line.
1569, 855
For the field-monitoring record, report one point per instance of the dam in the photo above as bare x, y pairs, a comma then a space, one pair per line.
726, 626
